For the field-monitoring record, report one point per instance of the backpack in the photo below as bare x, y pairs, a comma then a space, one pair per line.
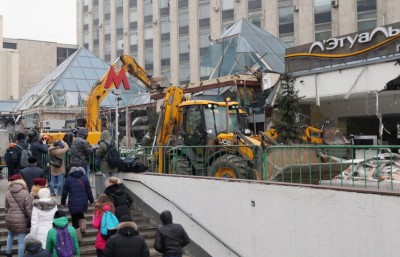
65, 246
25, 154
112, 156
109, 224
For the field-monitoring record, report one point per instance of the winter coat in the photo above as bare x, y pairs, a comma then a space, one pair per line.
9, 162
126, 242
98, 215
42, 218
38, 150
170, 238
101, 152
52, 236
15, 218
121, 199
30, 173
77, 189
59, 153
35, 250
80, 149
17, 163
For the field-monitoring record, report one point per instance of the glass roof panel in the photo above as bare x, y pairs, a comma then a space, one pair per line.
83, 85
84, 62
90, 73
98, 63
77, 73
72, 99
69, 84
58, 86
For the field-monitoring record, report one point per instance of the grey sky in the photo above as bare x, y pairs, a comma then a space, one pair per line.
44, 20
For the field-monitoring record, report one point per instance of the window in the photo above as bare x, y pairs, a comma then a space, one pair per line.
366, 14
286, 22
322, 19
9, 45
227, 4
148, 33
119, 21
204, 40
165, 51
95, 12
204, 11
164, 4
133, 14
255, 12
106, 6
184, 44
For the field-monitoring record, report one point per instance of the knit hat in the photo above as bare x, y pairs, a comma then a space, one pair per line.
126, 218
44, 193
15, 177
30, 239
39, 181
59, 214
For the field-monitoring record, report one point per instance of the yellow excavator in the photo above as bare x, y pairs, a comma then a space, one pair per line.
99, 91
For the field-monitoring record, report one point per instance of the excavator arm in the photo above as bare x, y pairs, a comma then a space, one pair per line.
107, 83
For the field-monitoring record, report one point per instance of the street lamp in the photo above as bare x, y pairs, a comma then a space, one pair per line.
117, 93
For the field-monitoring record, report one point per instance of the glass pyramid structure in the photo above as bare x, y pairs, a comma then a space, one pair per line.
68, 85
244, 47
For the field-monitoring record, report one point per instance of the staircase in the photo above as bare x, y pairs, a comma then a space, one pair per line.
146, 229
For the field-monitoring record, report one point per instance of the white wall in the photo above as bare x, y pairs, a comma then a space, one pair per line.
285, 221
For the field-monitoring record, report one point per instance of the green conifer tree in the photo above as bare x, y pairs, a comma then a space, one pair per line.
288, 102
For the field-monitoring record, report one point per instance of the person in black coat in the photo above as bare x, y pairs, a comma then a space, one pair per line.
16, 157
38, 148
127, 242
121, 199
33, 247
8, 158
31, 172
77, 189
171, 237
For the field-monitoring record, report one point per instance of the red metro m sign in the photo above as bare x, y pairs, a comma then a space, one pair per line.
117, 79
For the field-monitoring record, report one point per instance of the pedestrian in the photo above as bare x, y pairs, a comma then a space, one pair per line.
34, 247
19, 146
18, 208
103, 204
70, 243
120, 198
57, 150
102, 153
8, 158
127, 242
43, 211
39, 148
81, 151
171, 237
77, 189
38, 183
31, 172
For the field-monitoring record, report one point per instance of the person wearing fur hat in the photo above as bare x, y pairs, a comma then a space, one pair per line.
33, 247
18, 208
127, 242
38, 183
77, 189
58, 150
61, 221
43, 212
120, 198
171, 237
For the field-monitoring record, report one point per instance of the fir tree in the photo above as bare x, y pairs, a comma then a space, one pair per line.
288, 102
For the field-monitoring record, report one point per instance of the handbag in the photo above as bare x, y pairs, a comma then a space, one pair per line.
28, 219
55, 161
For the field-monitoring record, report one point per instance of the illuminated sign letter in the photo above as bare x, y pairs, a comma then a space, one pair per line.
113, 78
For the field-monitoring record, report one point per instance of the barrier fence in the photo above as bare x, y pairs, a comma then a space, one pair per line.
372, 167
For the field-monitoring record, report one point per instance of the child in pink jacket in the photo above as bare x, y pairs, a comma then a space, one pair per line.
103, 204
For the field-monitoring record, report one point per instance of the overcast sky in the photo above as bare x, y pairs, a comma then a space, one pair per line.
44, 20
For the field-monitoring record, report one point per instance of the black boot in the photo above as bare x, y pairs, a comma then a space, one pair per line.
8, 254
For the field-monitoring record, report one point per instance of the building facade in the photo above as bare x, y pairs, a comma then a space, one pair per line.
23, 63
170, 37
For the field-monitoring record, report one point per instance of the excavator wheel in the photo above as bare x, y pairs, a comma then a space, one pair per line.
180, 165
229, 166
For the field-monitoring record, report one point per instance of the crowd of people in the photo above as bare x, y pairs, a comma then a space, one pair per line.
42, 229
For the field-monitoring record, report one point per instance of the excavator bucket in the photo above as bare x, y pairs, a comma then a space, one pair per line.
332, 136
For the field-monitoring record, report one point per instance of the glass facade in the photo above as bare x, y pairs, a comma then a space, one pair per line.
286, 21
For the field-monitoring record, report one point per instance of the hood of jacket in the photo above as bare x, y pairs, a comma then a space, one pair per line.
166, 217
17, 185
83, 133
44, 204
60, 222
117, 189
105, 136
127, 228
77, 172
33, 247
